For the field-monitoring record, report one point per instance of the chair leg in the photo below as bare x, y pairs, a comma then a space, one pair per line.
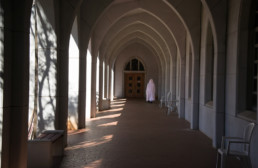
223, 161
246, 162
168, 112
249, 163
218, 159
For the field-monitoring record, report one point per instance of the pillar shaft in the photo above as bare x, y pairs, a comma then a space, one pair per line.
16, 84
100, 83
93, 87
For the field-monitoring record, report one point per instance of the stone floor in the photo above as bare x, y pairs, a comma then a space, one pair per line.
136, 134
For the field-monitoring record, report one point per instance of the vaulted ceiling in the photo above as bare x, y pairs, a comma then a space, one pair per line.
152, 23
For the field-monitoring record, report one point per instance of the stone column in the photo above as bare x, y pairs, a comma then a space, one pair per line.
62, 91
181, 111
65, 15
93, 85
111, 81
15, 78
195, 93
82, 90
100, 82
106, 80
83, 43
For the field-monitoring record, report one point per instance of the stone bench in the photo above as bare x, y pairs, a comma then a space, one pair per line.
105, 104
46, 150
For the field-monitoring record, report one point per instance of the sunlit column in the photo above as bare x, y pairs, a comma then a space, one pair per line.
88, 85
111, 84
97, 76
106, 80
73, 78
93, 86
100, 83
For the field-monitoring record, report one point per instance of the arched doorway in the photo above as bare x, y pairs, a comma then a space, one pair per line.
134, 79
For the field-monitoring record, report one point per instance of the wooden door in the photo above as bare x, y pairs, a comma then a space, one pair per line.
134, 85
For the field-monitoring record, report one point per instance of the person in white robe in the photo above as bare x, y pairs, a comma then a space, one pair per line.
150, 91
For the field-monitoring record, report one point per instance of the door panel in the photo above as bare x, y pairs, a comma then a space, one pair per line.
134, 85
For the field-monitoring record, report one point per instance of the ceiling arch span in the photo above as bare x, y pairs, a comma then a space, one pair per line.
138, 26
143, 38
145, 19
127, 36
141, 15
159, 9
136, 40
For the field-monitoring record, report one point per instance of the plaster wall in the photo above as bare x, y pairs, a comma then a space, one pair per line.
47, 61
143, 54
73, 77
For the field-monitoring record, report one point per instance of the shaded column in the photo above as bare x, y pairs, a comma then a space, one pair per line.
15, 57
65, 15
83, 43
182, 89
195, 93
62, 91
82, 90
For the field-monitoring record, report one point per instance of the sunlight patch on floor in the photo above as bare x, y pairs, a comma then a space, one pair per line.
109, 124
94, 164
92, 143
78, 131
117, 105
108, 116
111, 110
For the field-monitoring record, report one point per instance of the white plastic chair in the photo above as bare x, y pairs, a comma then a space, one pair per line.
172, 106
164, 99
241, 147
